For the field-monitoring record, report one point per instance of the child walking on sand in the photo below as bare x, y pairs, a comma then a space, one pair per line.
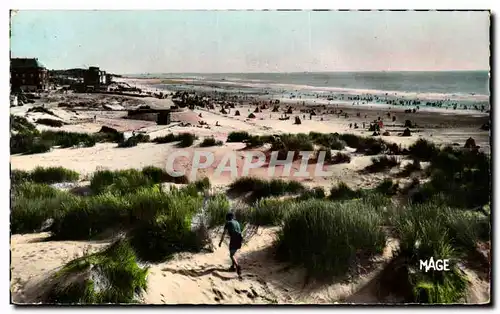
233, 228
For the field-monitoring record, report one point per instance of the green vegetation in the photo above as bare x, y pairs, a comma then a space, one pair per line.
382, 163
423, 150
343, 192
365, 145
237, 137
68, 139
210, 141
461, 177
50, 122
33, 204
110, 276
184, 139
134, 140
328, 235
217, 208
316, 192
432, 230
292, 143
44, 175
327, 238
330, 140
26, 139
169, 138
340, 158
387, 187
271, 212
264, 188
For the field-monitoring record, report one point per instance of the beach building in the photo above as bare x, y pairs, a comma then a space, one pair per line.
94, 77
28, 74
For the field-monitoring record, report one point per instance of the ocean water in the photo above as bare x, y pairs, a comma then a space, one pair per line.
450, 82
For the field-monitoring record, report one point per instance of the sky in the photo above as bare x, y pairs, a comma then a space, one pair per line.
133, 42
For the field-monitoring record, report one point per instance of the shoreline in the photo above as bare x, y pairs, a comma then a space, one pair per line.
147, 84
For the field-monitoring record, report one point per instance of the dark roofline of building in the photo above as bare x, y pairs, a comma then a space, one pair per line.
26, 63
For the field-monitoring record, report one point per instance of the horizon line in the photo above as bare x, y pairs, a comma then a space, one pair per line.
303, 72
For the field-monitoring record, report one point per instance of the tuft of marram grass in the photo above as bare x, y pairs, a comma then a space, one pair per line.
423, 150
239, 136
110, 276
210, 141
186, 139
53, 175
121, 181
217, 208
343, 192
271, 212
326, 238
33, 204
382, 163
265, 188
440, 232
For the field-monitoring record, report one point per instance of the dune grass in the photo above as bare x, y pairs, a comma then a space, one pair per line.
326, 238
183, 139
19, 176
186, 140
343, 192
340, 158
168, 229
33, 204
365, 145
462, 177
50, 122
217, 207
110, 276
134, 140
239, 136
387, 187
292, 143
158, 175
271, 212
432, 230
26, 139
28, 143
169, 138
382, 163
46, 175
68, 139
21, 124
330, 140
121, 181
53, 175
210, 141
317, 192
265, 188
423, 150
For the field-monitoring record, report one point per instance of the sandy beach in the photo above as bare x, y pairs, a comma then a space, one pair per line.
201, 278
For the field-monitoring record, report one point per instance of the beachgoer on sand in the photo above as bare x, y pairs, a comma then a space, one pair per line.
233, 228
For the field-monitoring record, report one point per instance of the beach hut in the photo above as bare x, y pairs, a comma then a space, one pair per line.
251, 116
